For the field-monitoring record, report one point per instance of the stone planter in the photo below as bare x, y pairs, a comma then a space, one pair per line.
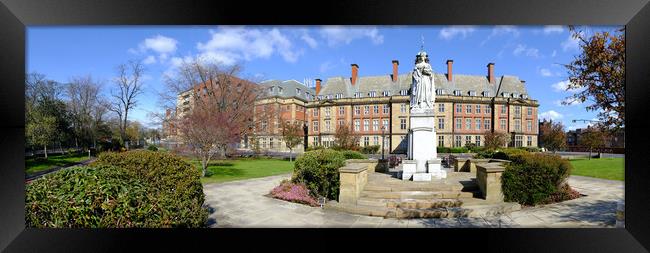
353, 178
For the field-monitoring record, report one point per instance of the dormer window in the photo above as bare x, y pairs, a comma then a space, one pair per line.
403, 92
320, 97
524, 96
515, 95
297, 91
372, 94
472, 93
456, 92
357, 94
280, 90
440, 92
339, 95
385, 93
486, 93
505, 94
271, 89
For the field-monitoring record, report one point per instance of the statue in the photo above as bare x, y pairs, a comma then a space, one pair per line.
422, 88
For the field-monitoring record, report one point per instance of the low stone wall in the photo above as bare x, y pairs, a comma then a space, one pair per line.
353, 178
469, 164
488, 177
373, 165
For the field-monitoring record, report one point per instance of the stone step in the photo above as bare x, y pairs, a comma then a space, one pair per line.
402, 187
416, 194
409, 203
410, 213
362, 209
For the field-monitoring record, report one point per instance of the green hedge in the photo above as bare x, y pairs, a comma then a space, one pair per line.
87, 197
372, 149
452, 150
532, 179
349, 154
152, 148
173, 182
318, 170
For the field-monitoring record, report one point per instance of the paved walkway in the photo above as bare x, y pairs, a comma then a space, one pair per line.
243, 204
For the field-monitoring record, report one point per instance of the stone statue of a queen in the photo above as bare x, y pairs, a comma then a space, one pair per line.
422, 88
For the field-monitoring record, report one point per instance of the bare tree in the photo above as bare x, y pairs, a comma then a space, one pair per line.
495, 140
84, 104
215, 107
345, 138
129, 86
292, 135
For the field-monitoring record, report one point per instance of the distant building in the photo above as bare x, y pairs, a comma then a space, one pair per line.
463, 108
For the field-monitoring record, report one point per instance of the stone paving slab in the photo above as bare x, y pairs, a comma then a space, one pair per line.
244, 204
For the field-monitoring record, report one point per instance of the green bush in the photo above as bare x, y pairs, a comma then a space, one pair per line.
312, 148
530, 149
87, 197
458, 150
349, 154
152, 148
443, 150
531, 179
318, 170
174, 182
372, 149
505, 154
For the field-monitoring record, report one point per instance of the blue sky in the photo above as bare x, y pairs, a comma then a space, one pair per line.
534, 53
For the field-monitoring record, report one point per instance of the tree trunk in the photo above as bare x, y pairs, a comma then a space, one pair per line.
290, 153
45, 147
590, 154
204, 166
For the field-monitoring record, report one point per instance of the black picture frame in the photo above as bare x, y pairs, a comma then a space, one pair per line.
15, 15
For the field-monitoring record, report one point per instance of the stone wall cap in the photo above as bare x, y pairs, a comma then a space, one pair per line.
351, 161
353, 168
490, 167
409, 161
434, 161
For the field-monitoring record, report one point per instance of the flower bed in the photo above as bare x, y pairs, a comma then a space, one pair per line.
293, 192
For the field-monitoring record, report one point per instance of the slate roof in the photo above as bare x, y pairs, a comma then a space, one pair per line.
288, 89
464, 83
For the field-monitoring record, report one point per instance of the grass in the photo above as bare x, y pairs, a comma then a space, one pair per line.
245, 168
33, 165
605, 168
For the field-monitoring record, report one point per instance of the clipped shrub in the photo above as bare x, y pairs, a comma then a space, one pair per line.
293, 192
318, 170
372, 149
349, 154
458, 150
532, 179
152, 148
443, 150
88, 197
174, 182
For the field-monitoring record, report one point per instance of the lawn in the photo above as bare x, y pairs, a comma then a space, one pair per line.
33, 165
606, 168
245, 168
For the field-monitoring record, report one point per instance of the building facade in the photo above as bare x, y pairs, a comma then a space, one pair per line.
376, 108
283, 101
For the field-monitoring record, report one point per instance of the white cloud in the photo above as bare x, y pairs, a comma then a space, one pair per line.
527, 51
159, 44
563, 85
336, 35
570, 44
550, 115
232, 44
545, 72
554, 53
550, 29
149, 60
309, 40
569, 101
449, 33
502, 30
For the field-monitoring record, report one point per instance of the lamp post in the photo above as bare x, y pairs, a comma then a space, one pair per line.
383, 141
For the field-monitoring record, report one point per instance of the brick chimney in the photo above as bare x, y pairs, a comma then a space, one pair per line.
450, 64
395, 64
318, 86
355, 73
491, 77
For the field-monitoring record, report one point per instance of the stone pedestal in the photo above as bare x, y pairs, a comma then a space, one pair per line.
423, 163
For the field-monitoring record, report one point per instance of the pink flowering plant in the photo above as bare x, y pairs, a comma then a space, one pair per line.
293, 192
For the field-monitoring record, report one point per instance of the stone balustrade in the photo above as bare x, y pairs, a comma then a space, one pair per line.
488, 177
353, 178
